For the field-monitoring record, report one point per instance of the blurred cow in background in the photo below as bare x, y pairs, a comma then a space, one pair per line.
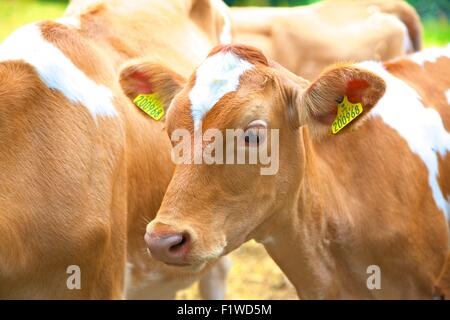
307, 39
82, 170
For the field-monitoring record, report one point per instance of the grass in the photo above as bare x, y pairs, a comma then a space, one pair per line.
15, 13
436, 32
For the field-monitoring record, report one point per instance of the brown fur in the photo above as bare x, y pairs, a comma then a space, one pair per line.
76, 192
248, 53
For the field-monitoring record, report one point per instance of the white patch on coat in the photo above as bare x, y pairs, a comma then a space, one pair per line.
57, 71
216, 76
225, 36
430, 55
402, 109
447, 95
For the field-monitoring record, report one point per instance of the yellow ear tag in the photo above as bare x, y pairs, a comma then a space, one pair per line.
347, 112
151, 105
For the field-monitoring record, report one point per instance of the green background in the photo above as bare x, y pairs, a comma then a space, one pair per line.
14, 13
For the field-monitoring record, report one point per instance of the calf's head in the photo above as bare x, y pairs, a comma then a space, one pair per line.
236, 107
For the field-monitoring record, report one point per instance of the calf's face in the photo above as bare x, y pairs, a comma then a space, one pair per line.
235, 126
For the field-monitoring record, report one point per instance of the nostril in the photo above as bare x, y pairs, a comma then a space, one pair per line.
169, 248
182, 244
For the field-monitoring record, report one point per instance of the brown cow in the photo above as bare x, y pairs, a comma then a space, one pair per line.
356, 214
82, 170
306, 39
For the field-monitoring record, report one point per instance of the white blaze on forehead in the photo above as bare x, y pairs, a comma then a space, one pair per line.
57, 71
430, 55
216, 76
225, 36
402, 109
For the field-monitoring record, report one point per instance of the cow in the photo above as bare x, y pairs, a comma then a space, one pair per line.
306, 39
82, 169
357, 205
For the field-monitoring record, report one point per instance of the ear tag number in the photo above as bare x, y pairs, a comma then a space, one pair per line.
151, 105
347, 112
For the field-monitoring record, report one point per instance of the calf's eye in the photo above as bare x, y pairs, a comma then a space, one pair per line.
255, 133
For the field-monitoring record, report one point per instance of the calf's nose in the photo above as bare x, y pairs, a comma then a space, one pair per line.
169, 248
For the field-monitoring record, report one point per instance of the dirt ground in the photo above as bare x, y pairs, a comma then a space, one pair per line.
253, 276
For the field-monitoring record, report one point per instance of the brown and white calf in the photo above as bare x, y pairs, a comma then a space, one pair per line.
372, 199
306, 39
82, 170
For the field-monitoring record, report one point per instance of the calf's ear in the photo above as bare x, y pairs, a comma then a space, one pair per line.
339, 100
143, 77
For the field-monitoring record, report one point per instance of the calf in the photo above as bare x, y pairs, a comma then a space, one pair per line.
306, 39
82, 170
358, 203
